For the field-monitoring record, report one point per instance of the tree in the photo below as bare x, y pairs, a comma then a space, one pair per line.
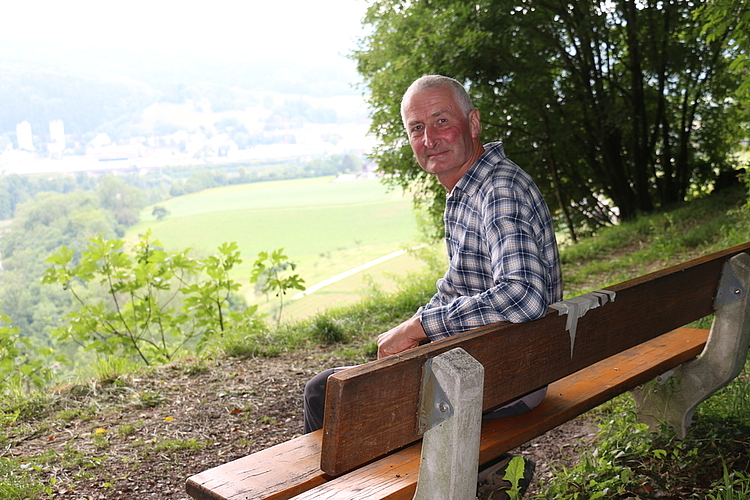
21, 364
123, 200
40, 227
160, 212
730, 20
614, 107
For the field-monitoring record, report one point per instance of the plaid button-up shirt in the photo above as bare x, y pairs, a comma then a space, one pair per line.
503, 258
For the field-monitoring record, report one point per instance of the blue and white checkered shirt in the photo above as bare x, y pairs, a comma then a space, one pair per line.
503, 259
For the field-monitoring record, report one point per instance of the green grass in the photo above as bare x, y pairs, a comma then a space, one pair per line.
16, 480
656, 241
324, 227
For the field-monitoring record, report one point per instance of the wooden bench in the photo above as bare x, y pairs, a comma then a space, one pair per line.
587, 350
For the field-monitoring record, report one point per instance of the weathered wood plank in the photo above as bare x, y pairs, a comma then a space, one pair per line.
276, 473
372, 409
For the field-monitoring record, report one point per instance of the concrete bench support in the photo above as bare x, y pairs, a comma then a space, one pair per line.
674, 397
451, 418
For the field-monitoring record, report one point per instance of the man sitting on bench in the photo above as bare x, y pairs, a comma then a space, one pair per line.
503, 258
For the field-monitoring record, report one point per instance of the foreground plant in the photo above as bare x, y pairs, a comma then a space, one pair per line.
21, 363
629, 461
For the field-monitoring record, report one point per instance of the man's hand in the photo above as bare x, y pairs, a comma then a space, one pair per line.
405, 336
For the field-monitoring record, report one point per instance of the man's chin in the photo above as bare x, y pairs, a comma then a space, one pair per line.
436, 165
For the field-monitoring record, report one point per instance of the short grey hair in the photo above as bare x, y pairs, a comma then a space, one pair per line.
437, 81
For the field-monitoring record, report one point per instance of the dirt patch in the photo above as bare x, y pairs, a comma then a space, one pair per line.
142, 437
560, 446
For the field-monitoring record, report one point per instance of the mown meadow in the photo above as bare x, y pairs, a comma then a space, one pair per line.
326, 227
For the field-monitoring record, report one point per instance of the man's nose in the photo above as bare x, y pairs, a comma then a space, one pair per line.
430, 138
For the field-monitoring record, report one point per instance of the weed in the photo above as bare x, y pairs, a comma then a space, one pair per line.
149, 399
514, 475
101, 441
628, 458
195, 368
126, 430
730, 402
24, 407
370, 350
83, 414
69, 414
109, 370
254, 344
736, 486
16, 483
178, 445
327, 330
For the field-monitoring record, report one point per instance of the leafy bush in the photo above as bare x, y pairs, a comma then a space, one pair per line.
21, 364
147, 304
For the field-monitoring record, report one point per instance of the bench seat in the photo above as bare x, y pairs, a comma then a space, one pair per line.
292, 469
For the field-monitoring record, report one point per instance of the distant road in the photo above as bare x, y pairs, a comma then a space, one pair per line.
350, 272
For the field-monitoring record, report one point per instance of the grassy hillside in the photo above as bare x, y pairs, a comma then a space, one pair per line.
656, 240
139, 433
328, 228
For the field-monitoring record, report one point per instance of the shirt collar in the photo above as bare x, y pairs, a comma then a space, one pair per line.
475, 176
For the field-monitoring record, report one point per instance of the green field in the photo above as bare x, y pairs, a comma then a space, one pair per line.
325, 227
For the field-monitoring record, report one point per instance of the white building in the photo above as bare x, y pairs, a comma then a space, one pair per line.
23, 134
57, 137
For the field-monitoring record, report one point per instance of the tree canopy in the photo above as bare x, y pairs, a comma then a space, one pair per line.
615, 108
730, 20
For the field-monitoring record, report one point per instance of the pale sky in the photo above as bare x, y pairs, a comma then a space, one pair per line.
305, 28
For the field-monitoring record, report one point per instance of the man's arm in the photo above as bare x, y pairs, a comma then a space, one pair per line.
405, 336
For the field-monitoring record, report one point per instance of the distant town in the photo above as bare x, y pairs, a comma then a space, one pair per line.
51, 150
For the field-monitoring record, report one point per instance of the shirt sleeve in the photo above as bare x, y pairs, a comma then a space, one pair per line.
517, 289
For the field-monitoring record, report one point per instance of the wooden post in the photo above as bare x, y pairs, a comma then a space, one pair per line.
674, 397
451, 417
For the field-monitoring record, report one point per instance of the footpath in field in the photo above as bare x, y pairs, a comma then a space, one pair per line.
351, 272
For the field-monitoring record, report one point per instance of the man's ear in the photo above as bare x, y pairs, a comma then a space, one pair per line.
475, 123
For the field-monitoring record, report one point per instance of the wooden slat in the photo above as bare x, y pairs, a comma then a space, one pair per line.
372, 409
394, 477
276, 473
292, 468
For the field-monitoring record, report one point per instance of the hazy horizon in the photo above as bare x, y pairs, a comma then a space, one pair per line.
100, 67
296, 29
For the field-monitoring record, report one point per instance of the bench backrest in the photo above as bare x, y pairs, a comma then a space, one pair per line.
373, 409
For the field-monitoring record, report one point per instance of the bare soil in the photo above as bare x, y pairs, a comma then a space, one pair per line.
140, 437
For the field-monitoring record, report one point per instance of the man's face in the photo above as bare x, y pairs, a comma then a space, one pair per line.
444, 141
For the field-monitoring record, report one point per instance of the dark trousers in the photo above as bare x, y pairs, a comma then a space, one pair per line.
315, 399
